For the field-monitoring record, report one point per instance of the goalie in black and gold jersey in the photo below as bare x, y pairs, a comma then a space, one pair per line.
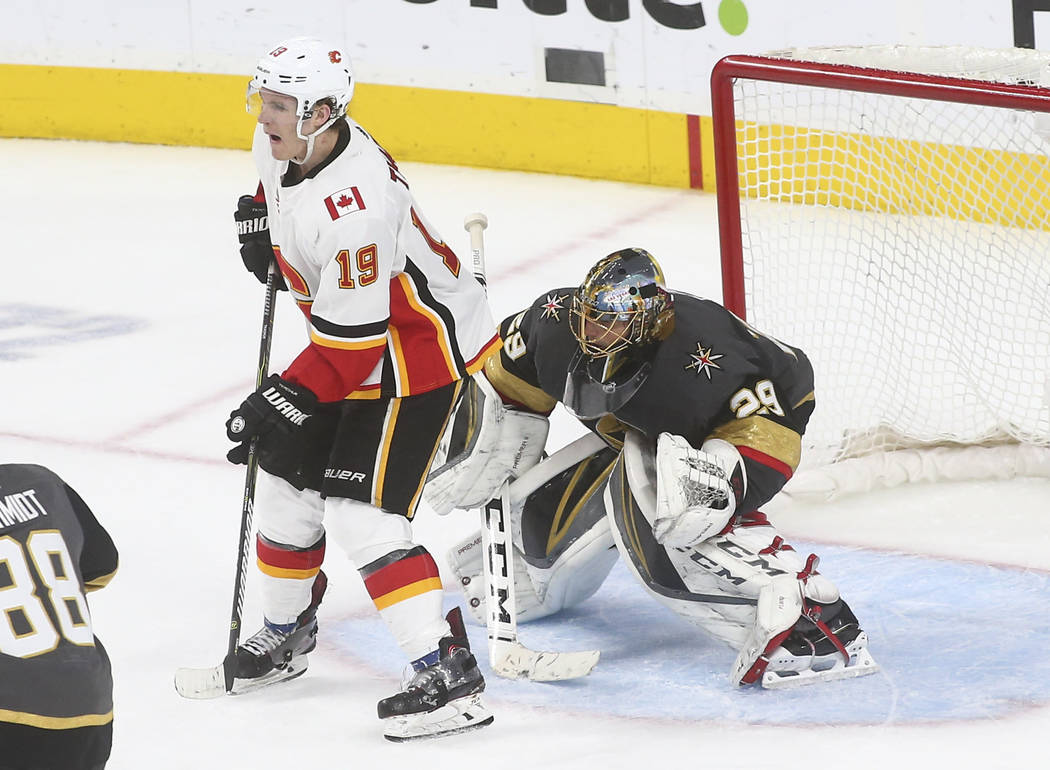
695, 423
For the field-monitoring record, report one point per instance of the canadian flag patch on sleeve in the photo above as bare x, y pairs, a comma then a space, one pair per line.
344, 202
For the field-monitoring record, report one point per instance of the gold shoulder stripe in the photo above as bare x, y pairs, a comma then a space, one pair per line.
516, 388
99, 582
764, 435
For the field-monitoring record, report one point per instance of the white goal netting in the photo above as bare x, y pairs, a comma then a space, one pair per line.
903, 242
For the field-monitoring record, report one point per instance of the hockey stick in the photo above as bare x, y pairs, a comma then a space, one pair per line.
213, 682
508, 657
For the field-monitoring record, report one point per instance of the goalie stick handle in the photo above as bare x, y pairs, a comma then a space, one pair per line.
475, 224
507, 656
248, 501
501, 618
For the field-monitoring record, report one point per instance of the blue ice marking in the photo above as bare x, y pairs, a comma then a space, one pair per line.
25, 328
954, 640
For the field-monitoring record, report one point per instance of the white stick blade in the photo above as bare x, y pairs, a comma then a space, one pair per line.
201, 683
512, 660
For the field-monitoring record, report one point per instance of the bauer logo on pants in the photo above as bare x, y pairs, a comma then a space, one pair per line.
344, 202
343, 475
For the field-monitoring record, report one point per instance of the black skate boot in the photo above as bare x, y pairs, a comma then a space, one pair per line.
275, 653
439, 698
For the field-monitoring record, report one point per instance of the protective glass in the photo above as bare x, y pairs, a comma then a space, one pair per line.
253, 101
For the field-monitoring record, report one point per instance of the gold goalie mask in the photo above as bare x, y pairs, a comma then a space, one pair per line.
619, 314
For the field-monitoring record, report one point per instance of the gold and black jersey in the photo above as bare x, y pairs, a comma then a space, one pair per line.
714, 376
54, 672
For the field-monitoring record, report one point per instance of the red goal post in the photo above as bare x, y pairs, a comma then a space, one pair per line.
887, 209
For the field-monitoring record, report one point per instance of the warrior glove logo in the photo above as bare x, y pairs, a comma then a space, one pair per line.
237, 425
285, 407
252, 226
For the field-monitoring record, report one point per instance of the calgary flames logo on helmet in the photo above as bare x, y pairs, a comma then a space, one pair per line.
335, 57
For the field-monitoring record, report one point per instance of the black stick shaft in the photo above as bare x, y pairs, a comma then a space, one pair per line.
247, 506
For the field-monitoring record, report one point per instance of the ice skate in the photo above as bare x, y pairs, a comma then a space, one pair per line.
273, 655
441, 698
807, 654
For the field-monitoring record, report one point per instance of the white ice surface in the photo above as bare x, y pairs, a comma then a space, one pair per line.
128, 330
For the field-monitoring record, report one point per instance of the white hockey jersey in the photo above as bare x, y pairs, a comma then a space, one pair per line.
371, 274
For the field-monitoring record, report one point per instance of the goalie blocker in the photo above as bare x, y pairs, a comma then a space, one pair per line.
737, 580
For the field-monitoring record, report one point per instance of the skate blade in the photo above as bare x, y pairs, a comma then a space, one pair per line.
206, 683
458, 716
295, 668
860, 664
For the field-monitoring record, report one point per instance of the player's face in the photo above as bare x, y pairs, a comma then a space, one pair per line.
279, 121
605, 334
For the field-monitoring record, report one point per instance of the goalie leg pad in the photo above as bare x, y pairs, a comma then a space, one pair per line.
779, 608
464, 559
484, 444
745, 586
825, 644
803, 633
575, 575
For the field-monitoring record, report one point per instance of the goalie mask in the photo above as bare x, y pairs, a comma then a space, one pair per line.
311, 72
619, 314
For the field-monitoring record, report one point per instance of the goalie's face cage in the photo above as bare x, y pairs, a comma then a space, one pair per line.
621, 303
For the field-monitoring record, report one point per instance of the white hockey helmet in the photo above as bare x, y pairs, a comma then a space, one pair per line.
309, 70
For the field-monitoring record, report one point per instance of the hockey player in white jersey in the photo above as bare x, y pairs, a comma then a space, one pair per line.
347, 432
696, 421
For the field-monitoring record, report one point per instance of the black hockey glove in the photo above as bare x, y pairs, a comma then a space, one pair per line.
253, 232
275, 414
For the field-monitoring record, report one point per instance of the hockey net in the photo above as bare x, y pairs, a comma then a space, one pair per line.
887, 210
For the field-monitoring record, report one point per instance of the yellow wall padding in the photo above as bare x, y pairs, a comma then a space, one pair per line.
462, 128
